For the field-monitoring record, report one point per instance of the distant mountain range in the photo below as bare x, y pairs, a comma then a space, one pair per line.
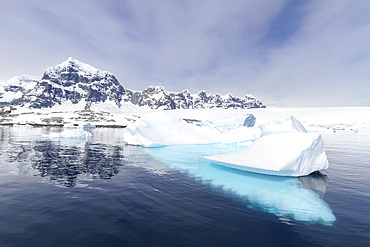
78, 82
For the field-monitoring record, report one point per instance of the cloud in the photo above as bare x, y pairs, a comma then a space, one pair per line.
284, 52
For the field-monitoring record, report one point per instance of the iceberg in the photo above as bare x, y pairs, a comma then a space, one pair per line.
70, 133
289, 198
162, 129
282, 125
283, 154
284, 149
230, 123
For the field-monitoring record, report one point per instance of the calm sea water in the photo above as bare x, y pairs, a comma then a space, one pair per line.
100, 192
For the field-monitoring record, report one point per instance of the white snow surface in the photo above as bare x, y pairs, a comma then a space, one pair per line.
283, 154
230, 123
163, 128
282, 125
9, 96
82, 68
281, 147
26, 82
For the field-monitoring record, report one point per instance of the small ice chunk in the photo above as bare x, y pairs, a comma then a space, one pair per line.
284, 154
250, 121
89, 126
23, 126
282, 125
70, 133
70, 126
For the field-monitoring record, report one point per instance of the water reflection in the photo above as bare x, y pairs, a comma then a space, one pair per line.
65, 165
316, 182
62, 162
298, 199
69, 162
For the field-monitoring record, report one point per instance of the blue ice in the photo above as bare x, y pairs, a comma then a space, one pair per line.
283, 196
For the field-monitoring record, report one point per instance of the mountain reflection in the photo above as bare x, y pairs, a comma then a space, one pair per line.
63, 163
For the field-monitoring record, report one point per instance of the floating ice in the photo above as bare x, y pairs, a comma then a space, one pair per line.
282, 125
86, 126
285, 150
231, 123
286, 197
70, 133
161, 129
70, 126
283, 154
357, 127
89, 126
22, 126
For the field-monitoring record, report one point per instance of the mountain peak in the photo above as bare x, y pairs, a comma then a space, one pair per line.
74, 65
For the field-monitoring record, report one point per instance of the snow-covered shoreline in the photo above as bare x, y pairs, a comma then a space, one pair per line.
317, 119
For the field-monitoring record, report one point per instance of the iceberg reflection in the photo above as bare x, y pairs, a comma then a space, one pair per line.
288, 198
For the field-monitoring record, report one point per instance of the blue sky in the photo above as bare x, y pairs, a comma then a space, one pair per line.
285, 52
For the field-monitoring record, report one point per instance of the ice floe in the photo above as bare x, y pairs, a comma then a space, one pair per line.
69, 133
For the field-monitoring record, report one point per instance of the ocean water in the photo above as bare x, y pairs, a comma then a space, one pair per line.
99, 192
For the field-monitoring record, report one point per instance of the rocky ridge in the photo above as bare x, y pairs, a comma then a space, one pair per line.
78, 82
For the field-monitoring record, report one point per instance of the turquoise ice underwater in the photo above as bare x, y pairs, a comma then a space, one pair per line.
283, 196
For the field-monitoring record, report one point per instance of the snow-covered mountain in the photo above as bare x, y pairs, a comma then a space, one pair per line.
78, 82
71, 81
157, 97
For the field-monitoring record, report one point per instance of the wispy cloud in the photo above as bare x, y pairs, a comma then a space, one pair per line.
285, 52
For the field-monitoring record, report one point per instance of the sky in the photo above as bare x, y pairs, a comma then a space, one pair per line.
286, 53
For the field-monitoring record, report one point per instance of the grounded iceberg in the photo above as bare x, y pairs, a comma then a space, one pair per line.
230, 123
285, 148
283, 154
162, 129
282, 125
